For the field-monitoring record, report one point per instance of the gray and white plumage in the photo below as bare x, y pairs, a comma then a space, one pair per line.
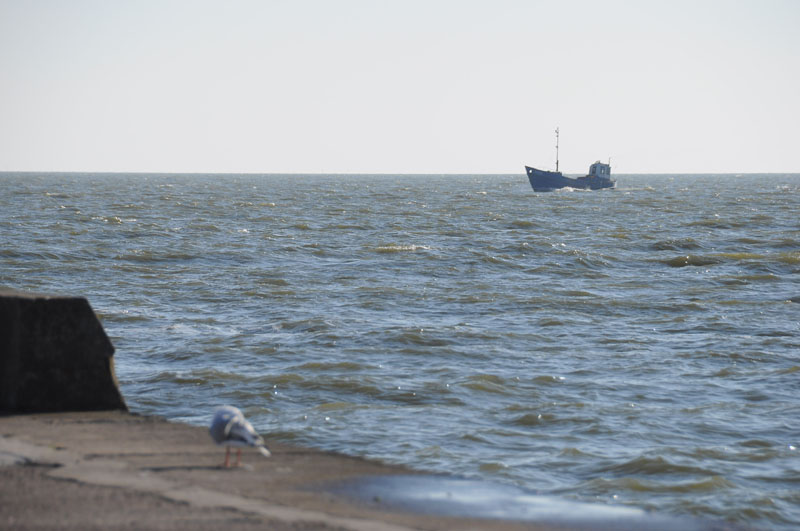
230, 428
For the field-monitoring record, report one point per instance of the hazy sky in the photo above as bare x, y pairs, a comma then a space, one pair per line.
399, 86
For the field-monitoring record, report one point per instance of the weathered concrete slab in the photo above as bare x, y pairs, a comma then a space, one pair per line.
54, 356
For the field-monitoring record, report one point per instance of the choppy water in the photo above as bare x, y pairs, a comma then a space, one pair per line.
636, 347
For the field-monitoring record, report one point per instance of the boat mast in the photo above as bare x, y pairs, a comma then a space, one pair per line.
556, 148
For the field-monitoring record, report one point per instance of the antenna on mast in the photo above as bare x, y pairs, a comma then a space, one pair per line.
556, 148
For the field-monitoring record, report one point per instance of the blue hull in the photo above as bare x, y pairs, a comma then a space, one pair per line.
545, 181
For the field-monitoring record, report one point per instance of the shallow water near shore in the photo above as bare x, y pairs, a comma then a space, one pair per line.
635, 347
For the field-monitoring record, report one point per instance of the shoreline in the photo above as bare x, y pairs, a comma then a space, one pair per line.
113, 469
119, 470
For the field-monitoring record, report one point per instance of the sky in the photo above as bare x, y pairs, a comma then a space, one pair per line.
405, 86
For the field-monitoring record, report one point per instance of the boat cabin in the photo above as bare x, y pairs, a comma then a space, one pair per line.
598, 169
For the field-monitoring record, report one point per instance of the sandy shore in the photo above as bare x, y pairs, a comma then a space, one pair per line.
114, 470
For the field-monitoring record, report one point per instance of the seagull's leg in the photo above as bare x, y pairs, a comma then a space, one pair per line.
227, 457
238, 457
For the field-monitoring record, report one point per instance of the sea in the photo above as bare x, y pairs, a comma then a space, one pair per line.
635, 347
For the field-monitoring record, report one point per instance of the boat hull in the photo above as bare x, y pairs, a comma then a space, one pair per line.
546, 181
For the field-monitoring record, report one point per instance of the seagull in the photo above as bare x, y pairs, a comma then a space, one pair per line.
230, 428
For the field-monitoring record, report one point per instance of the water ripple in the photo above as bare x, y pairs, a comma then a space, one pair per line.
637, 347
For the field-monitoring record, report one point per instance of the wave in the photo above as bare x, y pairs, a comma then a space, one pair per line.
649, 466
787, 258
487, 383
717, 223
524, 224
212, 377
691, 260
615, 486
420, 337
321, 366
145, 255
398, 248
675, 244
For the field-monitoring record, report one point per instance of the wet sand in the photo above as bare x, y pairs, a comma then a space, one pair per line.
113, 470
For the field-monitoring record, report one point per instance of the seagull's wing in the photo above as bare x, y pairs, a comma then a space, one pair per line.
239, 430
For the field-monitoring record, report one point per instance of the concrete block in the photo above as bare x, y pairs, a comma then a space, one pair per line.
54, 356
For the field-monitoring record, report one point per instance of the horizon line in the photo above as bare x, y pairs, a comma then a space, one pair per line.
294, 173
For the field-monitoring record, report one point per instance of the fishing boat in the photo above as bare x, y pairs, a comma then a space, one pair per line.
599, 177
